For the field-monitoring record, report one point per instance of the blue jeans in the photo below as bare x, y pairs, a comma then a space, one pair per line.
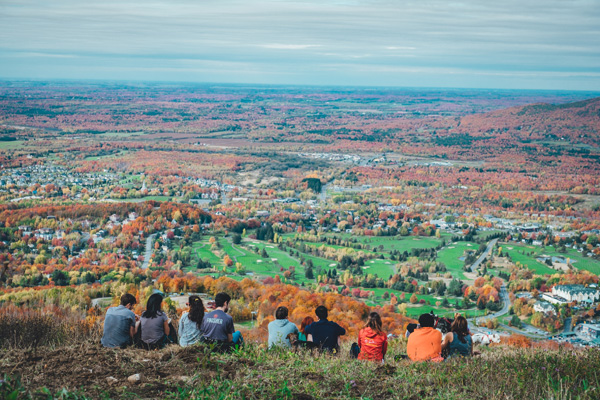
237, 338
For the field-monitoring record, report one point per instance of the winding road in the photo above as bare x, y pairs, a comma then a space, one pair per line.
148, 251
483, 255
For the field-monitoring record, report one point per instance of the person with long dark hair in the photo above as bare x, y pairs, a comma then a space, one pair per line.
458, 341
191, 321
155, 324
372, 340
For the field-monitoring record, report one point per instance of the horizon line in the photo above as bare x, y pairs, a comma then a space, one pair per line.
279, 85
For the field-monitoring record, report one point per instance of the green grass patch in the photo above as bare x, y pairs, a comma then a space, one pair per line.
451, 254
529, 259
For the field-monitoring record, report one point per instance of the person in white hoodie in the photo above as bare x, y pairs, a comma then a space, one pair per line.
281, 328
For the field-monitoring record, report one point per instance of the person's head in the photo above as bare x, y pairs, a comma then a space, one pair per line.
153, 306
196, 313
321, 312
460, 326
128, 300
426, 321
374, 322
306, 322
222, 301
281, 312
411, 328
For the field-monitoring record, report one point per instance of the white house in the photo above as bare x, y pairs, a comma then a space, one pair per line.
544, 307
577, 293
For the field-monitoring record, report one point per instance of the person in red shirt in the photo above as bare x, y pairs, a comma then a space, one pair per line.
372, 340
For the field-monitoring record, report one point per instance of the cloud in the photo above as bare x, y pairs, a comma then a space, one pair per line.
280, 46
400, 48
302, 39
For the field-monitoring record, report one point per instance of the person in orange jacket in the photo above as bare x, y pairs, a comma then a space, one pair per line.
425, 343
372, 340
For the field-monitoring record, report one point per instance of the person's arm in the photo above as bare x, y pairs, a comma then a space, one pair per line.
308, 334
384, 347
181, 326
341, 331
230, 330
166, 322
359, 340
134, 328
447, 340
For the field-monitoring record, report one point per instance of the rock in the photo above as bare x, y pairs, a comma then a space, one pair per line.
112, 380
135, 378
183, 378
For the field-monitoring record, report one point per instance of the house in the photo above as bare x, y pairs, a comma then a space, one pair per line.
577, 293
544, 307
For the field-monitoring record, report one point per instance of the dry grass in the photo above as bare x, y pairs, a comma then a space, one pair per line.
79, 367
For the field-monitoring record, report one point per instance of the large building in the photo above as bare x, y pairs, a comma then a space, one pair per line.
577, 293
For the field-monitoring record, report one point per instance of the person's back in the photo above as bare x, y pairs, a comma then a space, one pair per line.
424, 343
281, 328
324, 333
153, 328
371, 340
190, 322
216, 325
305, 322
458, 341
459, 348
117, 322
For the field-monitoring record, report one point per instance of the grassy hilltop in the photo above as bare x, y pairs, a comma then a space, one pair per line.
86, 370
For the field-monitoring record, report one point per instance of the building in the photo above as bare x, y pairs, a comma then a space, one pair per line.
554, 299
544, 307
591, 331
577, 293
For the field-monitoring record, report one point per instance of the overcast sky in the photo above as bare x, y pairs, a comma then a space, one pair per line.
521, 44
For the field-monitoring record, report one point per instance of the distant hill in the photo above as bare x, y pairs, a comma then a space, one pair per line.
577, 122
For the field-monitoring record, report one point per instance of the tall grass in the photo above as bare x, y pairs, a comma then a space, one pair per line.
29, 328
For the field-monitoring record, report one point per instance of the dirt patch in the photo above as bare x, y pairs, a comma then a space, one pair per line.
104, 371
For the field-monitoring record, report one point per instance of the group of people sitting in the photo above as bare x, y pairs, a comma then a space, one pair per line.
154, 330
425, 342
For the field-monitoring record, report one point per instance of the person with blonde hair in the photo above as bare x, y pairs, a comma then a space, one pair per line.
458, 341
372, 340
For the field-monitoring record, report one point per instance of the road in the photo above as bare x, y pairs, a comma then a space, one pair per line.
527, 330
483, 255
505, 304
148, 252
323, 194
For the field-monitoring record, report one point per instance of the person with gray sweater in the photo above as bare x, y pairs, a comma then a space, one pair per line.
280, 329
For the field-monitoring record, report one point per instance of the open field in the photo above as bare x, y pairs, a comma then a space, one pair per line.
532, 252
